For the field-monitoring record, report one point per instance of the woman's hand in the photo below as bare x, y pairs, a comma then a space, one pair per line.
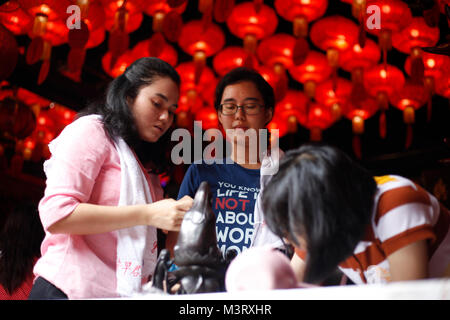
168, 214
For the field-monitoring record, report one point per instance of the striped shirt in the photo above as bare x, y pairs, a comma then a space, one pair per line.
404, 213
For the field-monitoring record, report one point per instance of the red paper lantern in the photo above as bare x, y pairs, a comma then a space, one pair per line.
312, 71
334, 34
119, 66
187, 107
319, 119
276, 52
252, 25
416, 34
436, 67
200, 42
203, 88
380, 79
334, 98
356, 57
208, 116
232, 57
16, 118
394, 16
301, 13
358, 114
15, 18
292, 109
381, 82
168, 53
410, 39
410, 98
159, 9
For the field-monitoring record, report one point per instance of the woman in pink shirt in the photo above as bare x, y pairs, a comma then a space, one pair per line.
101, 206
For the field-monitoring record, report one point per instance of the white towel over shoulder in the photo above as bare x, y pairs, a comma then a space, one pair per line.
135, 257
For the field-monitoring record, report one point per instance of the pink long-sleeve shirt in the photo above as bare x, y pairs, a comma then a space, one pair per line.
84, 168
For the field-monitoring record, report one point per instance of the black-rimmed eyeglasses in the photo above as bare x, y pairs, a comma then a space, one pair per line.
229, 109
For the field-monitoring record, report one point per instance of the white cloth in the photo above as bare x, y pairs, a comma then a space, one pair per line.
135, 257
262, 235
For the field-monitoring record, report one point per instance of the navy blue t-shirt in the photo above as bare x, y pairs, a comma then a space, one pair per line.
234, 191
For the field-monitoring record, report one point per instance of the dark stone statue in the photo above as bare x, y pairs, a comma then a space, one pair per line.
201, 265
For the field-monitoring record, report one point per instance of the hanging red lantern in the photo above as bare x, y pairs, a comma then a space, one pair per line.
394, 15
16, 119
9, 53
200, 42
252, 25
15, 18
381, 82
301, 13
435, 68
119, 66
187, 107
357, 57
203, 89
232, 57
410, 39
92, 19
312, 71
159, 9
356, 60
292, 109
167, 53
334, 98
415, 35
410, 98
276, 52
48, 29
334, 34
208, 116
319, 119
358, 114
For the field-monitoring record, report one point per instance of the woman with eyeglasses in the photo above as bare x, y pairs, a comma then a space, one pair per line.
245, 104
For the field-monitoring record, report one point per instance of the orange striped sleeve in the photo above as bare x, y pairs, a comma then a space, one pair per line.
407, 237
394, 198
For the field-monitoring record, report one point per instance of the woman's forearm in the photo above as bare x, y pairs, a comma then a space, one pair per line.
91, 219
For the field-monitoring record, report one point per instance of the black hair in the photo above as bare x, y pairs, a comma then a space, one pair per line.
21, 235
117, 117
322, 195
245, 74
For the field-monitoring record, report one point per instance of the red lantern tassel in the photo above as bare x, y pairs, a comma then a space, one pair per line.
356, 143
409, 136
382, 124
